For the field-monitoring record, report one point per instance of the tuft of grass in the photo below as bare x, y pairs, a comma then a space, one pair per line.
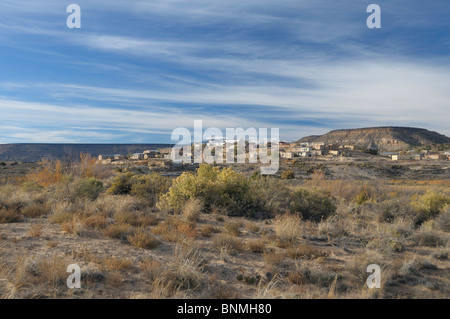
35, 210
173, 229
256, 245
114, 263
273, 258
428, 238
185, 273
192, 209
143, 239
35, 230
207, 230
151, 268
306, 252
227, 242
9, 216
253, 227
288, 228
118, 231
233, 227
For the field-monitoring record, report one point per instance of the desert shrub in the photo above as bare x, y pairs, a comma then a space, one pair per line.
333, 228
173, 229
88, 188
121, 184
150, 187
233, 227
271, 193
35, 230
387, 240
428, 238
192, 209
306, 252
143, 239
9, 216
287, 174
256, 245
216, 187
184, 273
35, 210
363, 197
288, 228
273, 258
429, 205
207, 230
31, 186
312, 205
115, 263
48, 173
227, 242
118, 231
443, 220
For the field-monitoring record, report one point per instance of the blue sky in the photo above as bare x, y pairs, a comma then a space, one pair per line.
136, 69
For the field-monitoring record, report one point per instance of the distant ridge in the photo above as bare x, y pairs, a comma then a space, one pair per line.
35, 152
383, 138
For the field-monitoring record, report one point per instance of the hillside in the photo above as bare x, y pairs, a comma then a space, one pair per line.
381, 138
35, 152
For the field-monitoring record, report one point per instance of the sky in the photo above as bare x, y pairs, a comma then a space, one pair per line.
136, 69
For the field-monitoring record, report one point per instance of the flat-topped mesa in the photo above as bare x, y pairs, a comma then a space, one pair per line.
383, 138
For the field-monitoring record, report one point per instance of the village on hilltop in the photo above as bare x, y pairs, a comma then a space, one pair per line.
287, 151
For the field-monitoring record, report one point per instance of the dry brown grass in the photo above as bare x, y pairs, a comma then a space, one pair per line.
185, 273
115, 263
151, 268
227, 242
35, 230
256, 245
174, 229
273, 258
143, 239
253, 227
288, 228
118, 231
207, 230
9, 216
35, 210
233, 227
75, 226
192, 209
306, 252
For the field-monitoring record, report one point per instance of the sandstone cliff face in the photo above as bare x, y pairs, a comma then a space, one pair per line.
381, 138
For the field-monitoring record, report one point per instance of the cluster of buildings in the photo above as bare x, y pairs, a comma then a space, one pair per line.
286, 151
291, 150
423, 155
145, 155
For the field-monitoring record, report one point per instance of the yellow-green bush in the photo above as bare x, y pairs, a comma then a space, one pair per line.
149, 186
215, 186
314, 205
121, 184
429, 205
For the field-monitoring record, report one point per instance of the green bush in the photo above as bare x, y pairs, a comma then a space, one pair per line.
150, 187
88, 188
363, 197
288, 174
429, 205
122, 184
313, 205
217, 187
